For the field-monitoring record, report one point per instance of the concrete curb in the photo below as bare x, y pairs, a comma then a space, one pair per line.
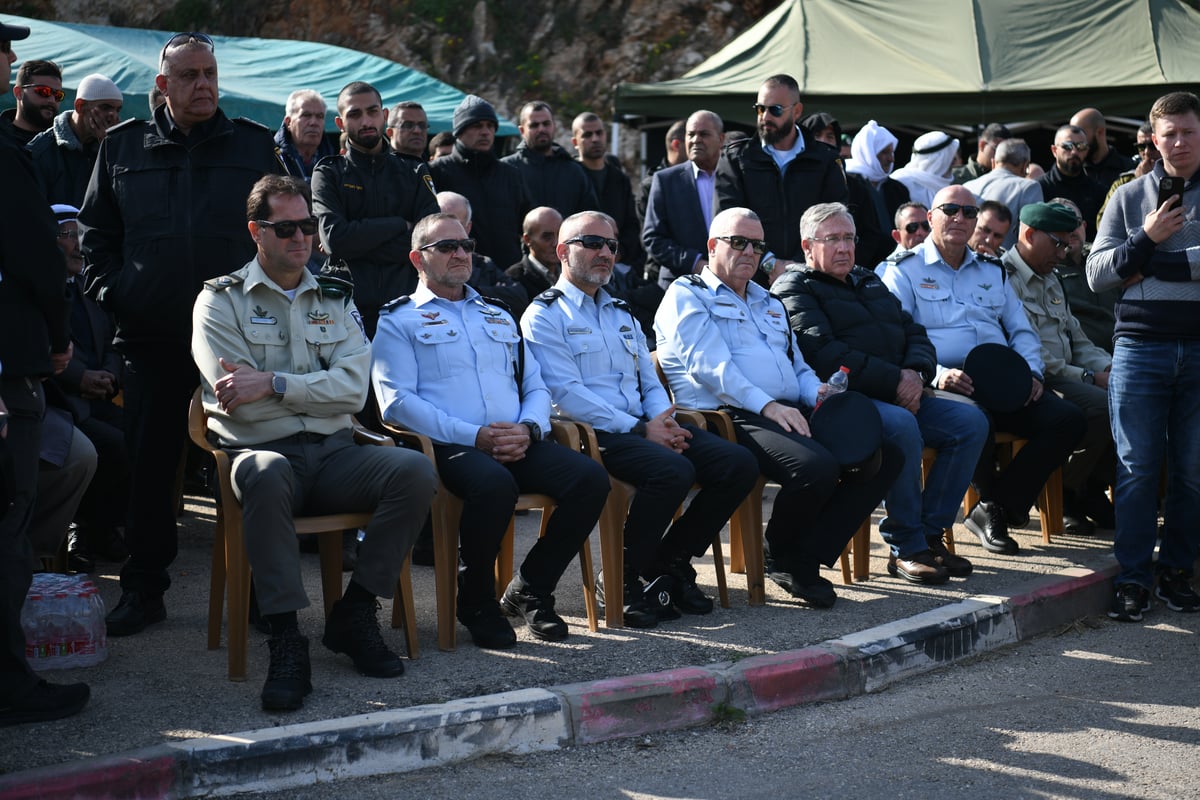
530, 720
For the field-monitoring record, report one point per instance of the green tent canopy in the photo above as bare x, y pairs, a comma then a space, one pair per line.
256, 75
928, 63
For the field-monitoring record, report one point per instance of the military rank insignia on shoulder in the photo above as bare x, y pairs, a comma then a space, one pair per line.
223, 282
549, 296
988, 258
391, 305
897, 257
694, 280
335, 288
621, 304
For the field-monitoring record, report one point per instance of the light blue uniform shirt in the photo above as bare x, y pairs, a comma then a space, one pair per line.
718, 349
447, 368
962, 307
593, 354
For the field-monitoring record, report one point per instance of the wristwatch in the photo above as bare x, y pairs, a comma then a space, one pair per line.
535, 430
279, 386
1088, 376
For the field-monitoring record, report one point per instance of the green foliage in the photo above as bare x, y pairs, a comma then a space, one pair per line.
727, 716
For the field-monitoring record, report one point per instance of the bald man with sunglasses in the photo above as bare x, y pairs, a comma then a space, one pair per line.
160, 217
964, 300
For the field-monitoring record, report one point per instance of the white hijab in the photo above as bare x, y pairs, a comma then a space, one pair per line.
864, 152
928, 171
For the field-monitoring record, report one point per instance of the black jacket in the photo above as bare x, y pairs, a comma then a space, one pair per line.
498, 197
554, 180
875, 241
64, 164
164, 213
1080, 189
749, 178
33, 274
859, 324
368, 205
293, 162
615, 193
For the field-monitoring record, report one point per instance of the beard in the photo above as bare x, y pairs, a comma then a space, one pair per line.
774, 135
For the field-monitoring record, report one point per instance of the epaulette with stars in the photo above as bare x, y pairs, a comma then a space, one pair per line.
549, 296
223, 282
391, 305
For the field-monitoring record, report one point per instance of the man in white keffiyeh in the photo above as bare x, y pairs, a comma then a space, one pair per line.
928, 171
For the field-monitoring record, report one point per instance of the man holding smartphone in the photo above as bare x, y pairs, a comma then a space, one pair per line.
1149, 244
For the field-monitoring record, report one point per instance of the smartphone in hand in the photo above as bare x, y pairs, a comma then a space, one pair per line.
1167, 187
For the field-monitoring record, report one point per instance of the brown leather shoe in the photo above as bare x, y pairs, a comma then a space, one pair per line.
956, 565
918, 568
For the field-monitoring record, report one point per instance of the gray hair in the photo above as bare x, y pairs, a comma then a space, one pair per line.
297, 98
1014, 152
815, 215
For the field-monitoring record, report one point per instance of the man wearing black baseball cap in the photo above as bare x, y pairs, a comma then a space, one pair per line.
36, 346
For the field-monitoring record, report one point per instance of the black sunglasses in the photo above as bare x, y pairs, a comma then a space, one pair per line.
448, 246
950, 209
739, 243
912, 227
286, 228
775, 110
42, 90
1142, 147
1068, 146
594, 242
185, 38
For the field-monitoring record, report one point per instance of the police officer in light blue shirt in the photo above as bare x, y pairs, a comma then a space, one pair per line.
724, 342
453, 366
963, 300
595, 361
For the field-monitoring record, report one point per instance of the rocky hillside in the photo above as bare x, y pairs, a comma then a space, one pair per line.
570, 54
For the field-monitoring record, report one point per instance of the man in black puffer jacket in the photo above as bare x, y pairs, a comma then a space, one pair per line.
844, 315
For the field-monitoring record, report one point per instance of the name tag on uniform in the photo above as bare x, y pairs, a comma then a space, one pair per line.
263, 321
495, 320
435, 322
577, 331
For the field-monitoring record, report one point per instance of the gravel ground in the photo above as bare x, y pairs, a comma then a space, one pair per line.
164, 685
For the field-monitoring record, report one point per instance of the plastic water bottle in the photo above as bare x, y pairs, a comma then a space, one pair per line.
63, 622
838, 382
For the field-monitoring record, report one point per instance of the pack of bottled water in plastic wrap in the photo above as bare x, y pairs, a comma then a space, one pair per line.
63, 620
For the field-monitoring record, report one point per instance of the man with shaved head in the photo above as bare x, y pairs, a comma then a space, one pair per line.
595, 363
538, 269
963, 300
1103, 163
1068, 178
157, 221
682, 202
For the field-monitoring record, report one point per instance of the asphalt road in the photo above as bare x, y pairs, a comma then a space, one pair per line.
1101, 710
